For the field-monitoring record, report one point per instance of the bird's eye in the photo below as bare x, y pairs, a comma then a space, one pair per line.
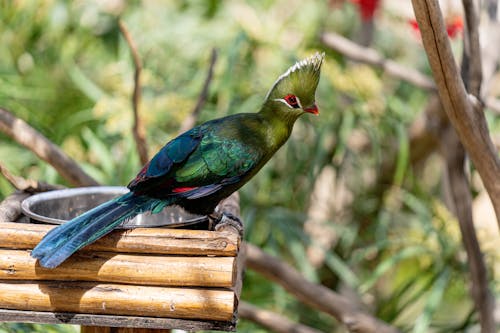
292, 100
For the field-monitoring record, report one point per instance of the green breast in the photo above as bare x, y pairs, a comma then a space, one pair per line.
262, 135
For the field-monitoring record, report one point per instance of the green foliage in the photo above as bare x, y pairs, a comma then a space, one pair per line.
66, 70
24, 327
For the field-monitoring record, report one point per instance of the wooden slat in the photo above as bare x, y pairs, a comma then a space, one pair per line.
123, 268
108, 329
100, 298
113, 321
140, 240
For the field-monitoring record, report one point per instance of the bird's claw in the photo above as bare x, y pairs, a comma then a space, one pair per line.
228, 219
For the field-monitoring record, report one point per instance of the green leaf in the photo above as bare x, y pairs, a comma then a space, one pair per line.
403, 155
100, 151
85, 84
300, 255
342, 269
433, 301
390, 263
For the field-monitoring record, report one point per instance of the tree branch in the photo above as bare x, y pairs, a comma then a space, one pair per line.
472, 51
10, 207
470, 125
27, 185
460, 191
272, 321
190, 121
30, 138
370, 56
316, 295
457, 182
138, 127
457, 179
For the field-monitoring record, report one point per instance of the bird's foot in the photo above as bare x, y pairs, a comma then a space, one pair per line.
222, 220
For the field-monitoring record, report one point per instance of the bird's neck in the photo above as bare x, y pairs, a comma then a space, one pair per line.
277, 117
278, 123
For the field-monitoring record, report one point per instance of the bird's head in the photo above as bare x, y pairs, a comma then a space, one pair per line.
294, 92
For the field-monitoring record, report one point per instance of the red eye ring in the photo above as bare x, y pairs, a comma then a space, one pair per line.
292, 101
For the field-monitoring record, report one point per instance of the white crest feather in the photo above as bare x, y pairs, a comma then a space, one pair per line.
315, 60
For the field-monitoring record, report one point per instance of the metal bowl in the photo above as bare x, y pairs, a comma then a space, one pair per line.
57, 207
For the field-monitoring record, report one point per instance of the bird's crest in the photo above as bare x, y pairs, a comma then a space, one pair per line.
302, 76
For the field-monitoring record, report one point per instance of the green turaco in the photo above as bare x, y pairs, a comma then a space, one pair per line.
200, 167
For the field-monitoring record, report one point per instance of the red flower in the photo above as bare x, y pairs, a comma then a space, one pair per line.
414, 26
454, 26
367, 8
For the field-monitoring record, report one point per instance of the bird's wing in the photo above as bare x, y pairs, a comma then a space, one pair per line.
194, 165
157, 170
219, 161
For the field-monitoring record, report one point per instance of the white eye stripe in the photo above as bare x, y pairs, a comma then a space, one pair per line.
298, 101
282, 100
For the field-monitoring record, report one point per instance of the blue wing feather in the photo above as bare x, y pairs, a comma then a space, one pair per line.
174, 152
197, 164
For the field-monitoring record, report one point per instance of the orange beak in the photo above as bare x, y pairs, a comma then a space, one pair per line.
312, 109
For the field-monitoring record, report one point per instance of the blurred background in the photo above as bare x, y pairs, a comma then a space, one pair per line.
352, 200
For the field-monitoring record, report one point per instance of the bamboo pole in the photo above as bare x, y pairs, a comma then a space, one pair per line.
108, 320
124, 268
140, 240
96, 298
107, 329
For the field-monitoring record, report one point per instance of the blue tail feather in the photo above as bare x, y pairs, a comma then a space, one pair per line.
63, 241
54, 238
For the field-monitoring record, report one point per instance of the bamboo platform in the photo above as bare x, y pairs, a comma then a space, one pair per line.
153, 278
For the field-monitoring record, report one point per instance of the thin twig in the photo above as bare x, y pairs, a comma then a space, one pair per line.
316, 295
470, 125
458, 182
30, 138
460, 191
138, 127
190, 121
472, 50
27, 185
271, 320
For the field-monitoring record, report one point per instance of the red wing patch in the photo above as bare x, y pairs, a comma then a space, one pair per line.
183, 189
140, 176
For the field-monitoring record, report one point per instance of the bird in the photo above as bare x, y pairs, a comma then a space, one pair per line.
200, 167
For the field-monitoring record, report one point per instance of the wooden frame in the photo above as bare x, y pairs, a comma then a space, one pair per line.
113, 320
141, 278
